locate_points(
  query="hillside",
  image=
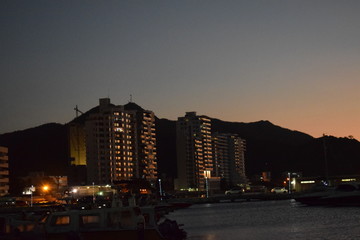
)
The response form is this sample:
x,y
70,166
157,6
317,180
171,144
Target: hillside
x,y
39,149
269,148
272,148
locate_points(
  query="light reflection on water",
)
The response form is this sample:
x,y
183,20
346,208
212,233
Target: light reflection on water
x,y
268,220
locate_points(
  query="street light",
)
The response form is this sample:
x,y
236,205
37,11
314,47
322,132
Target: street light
x,y
32,190
160,190
46,188
207,174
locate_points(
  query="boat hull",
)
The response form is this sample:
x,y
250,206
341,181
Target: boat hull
x,y
148,234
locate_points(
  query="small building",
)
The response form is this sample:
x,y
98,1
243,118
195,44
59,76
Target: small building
x,y
307,183
4,171
44,184
89,190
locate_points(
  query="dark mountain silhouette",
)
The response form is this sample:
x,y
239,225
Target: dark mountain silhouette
x,y
261,131
272,148
166,146
275,149
342,156
269,148
39,149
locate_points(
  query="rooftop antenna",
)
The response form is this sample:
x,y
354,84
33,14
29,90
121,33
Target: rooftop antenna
x,y
77,111
326,159
130,97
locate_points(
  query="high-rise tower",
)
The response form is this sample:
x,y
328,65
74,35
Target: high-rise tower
x,y
110,144
143,122
194,151
229,158
120,143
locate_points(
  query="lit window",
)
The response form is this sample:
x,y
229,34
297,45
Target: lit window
x,y
61,220
307,182
90,221
348,180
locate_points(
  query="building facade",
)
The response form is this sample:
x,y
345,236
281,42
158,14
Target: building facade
x,y
229,158
4,171
143,123
194,152
109,145
77,174
77,149
120,144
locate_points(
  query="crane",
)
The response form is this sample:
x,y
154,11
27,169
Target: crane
x,y
77,111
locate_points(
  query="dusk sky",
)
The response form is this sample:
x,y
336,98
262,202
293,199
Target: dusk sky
x,y
294,63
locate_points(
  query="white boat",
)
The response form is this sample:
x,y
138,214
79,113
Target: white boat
x,y
95,224
345,194
107,223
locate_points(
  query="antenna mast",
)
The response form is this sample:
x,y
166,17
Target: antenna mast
x,y
77,111
326,160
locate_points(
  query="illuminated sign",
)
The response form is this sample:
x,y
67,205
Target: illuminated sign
x,y
348,180
307,182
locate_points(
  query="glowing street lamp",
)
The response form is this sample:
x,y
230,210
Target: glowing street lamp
x,y
160,190
32,190
46,188
207,174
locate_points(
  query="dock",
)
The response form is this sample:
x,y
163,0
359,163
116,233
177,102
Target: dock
x,y
245,197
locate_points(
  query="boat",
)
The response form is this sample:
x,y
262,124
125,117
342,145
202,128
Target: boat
x,y
130,223
345,194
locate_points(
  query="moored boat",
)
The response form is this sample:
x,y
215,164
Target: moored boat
x,y
345,194
130,223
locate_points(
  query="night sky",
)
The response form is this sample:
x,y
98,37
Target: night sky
x,y
294,63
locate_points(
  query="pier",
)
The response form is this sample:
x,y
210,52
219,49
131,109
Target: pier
x,y
246,197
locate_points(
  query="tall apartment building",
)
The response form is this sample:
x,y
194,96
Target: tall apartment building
x,y
229,158
120,144
143,122
194,151
109,145
4,171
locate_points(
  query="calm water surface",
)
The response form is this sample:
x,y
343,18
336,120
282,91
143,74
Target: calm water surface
x,y
268,220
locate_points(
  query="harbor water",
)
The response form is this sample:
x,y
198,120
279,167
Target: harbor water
x,y
285,219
